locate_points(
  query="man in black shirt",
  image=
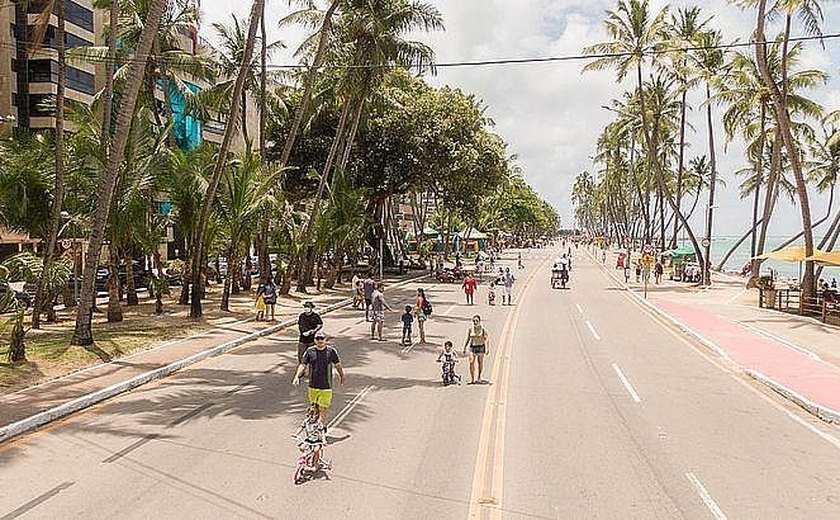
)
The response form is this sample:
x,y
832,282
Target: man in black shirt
x,y
309,323
320,360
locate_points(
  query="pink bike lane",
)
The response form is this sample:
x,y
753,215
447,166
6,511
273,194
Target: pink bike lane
x,y
815,380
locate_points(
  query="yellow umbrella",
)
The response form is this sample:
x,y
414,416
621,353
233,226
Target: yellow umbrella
x,y
831,258
790,254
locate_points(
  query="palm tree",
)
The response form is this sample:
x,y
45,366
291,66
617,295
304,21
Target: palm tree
x,y
747,103
777,97
185,182
370,37
710,65
684,28
221,160
83,334
41,26
634,37
244,192
233,39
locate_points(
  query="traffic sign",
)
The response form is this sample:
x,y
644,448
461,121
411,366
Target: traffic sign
x,y
706,242
648,260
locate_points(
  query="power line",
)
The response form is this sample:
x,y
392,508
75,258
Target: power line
x,y
501,61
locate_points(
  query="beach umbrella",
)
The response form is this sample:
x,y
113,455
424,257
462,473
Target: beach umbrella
x,y
830,258
789,254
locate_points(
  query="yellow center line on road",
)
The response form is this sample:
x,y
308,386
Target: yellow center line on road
x,y
493,425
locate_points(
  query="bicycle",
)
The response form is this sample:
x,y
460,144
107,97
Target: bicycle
x,y
310,462
447,373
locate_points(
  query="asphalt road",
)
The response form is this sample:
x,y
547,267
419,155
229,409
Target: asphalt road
x,y
595,410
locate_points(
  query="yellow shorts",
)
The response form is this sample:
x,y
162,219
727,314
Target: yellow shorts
x,y
322,398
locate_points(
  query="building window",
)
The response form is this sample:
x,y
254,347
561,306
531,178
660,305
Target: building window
x,y
43,71
81,81
73,12
70,40
41,104
46,71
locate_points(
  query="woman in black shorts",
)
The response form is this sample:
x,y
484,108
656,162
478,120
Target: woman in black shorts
x,y
479,345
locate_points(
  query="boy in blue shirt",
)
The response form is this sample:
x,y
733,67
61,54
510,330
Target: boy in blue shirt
x,y
407,320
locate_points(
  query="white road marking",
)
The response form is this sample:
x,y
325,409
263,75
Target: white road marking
x,y
782,341
592,330
834,441
450,309
705,496
579,308
349,407
408,348
627,385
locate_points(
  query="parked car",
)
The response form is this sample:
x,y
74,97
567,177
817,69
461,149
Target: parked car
x,y
21,296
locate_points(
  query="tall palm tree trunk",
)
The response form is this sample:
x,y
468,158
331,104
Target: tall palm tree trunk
x,y
225,305
309,83
707,265
130,286
83,334
680,167
114,313
58,190
110,65
307,257
238,89
770,197
656,167
759,171
795,159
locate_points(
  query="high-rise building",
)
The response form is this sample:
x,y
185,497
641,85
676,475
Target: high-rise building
x,y
29,77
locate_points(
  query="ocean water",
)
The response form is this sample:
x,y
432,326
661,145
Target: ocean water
x,y
722,244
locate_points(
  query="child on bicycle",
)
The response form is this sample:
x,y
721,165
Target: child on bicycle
x,y
448,357
407,320
315,434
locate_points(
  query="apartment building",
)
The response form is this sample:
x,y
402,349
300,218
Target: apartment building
x,y
28,79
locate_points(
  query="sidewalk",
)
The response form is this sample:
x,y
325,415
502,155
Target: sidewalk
x,y
28,402
796,356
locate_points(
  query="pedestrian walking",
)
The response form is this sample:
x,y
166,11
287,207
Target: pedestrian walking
x,y
469,285
478,343
507,282
355,285
259,306
368,286
378,305
319,361
658,270
519,260
268,291
309,324
420,306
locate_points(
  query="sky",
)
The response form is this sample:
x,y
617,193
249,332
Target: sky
x,y
550,114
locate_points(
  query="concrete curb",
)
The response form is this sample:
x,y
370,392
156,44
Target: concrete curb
x,y
80,403
822,412
817,410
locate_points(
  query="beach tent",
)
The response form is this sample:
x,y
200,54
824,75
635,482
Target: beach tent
x,y
680,254
830,258
790,254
